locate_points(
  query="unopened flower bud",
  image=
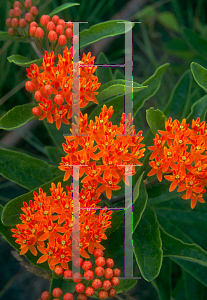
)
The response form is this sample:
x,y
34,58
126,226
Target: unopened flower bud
x,y
39,33
29,17
62,40
22,23
52,36
33,10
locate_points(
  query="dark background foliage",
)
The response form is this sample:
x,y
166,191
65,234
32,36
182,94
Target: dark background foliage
x,y
157,40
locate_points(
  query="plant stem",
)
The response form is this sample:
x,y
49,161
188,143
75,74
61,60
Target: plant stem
x,y
75,295
42,47
46,37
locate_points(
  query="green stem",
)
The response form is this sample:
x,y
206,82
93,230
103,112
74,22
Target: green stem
x,y
38,45
42,47
75,295
46,38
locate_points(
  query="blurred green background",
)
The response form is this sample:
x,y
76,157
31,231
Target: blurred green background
x,y
157,40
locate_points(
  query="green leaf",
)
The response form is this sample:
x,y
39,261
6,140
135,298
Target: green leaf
x,y
117,88
4,36
162,197
25,170
61,8
139,99
104,74
109,89
117,103
163,282
23,61
191,222
193,288
54,154
172,229
17,116
169,20
148,245
200,75
117,218
125,285
6,232
175,247
198,109
57,136
118,74
195,41
178,103
153,84
12,210
139,203
196,270
158,189
101,31
155,119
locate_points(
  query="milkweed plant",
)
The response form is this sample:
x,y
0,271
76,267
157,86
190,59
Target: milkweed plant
x,y
72,222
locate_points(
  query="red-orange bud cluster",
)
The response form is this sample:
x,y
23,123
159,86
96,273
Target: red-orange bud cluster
x,y
55,87
20,17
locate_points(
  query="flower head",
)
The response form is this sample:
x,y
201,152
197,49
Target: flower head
x,y
181,151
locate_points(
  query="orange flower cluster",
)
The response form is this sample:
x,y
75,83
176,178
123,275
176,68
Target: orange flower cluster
x,y
47,224
116,148
54,88
182,152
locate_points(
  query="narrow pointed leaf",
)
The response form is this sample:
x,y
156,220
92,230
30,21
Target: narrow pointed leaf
x,y
140,201
179,99
17,116
148,245
117,89
198,109
25,170
174,247
153,84
197,271
23,61
199,74
100,31
61,8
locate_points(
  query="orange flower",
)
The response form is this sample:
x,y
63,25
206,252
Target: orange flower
x,y
47,223
102,162
185,157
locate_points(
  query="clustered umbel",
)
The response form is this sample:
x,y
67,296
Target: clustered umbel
x,y
47,225
54,88
181,151
19,16
114,156
99,279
